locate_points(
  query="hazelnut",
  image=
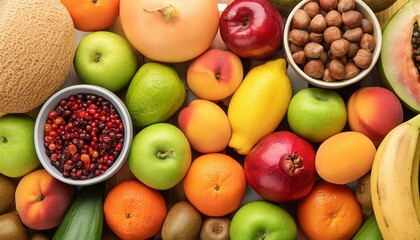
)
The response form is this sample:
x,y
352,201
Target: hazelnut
x,y
339,47
313,50
314,68
316,37
318,24
299,57
366,25
353,34
328,5
324,57
301,19
312,8
367,42
327,77
352,18
336,69
351,70
333,18
298,37
295,48
363,58
346,5
331,34
353,47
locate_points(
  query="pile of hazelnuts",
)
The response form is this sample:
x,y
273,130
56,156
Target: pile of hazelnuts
x,y
331,40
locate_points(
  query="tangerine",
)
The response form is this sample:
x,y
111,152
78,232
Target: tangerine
x,y
92,15
329,211
215,184
134,211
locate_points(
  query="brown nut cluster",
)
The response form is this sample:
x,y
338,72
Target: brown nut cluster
x,y
331,40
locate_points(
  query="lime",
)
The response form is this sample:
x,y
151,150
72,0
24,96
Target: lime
x,y
155,93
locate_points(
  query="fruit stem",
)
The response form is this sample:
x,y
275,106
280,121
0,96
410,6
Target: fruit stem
x,y
3,139
168,11
97,57
162,155
293,164
244,21
40,198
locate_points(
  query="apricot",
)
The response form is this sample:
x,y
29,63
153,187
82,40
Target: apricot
x,y
344,157
205,125
374,111
215,75
42,200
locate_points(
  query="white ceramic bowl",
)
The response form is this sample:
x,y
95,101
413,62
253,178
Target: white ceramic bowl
x,y
368,14
52,102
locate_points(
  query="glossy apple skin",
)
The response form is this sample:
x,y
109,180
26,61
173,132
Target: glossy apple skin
x,y
316,114
255,218
251,28
266,171
105,59
160,156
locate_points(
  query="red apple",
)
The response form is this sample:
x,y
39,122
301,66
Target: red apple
x,y
252,28
281,167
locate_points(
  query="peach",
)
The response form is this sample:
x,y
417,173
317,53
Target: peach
x,y
374,111
42,200
215,75
206,126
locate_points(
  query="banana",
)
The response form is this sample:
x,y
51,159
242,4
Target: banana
x,y
395,182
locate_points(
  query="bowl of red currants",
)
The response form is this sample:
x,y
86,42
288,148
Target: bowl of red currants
x,y
83,134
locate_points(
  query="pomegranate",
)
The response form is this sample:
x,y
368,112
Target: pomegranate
x,y
281,167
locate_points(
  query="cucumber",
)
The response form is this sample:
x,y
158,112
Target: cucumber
x,y
85,217
369,230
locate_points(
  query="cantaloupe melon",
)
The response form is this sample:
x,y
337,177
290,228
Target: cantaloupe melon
x,y
37,46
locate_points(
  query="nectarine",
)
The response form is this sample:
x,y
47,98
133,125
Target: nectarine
x,y
374,111
42,200
215,75
206,126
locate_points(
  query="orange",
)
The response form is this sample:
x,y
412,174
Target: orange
x,y
134,211
329,211
92,15
215,184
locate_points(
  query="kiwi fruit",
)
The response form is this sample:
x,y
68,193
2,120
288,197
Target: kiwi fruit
x,y
363,195
215,228
182,222
7,193
12,228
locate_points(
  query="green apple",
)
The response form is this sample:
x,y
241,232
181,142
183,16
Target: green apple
x,y
160,156
316,114
17,150
261,219
105,59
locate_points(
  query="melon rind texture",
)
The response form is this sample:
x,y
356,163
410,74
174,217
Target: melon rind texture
x,y
37,46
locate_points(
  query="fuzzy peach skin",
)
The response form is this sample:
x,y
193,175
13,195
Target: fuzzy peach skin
x,y
215,75
206,126
374,111
42,200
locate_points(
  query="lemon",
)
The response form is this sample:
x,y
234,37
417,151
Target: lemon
x,y
259,104
154,94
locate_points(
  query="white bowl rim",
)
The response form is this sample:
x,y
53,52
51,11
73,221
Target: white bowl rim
x,y
340,83
73,90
